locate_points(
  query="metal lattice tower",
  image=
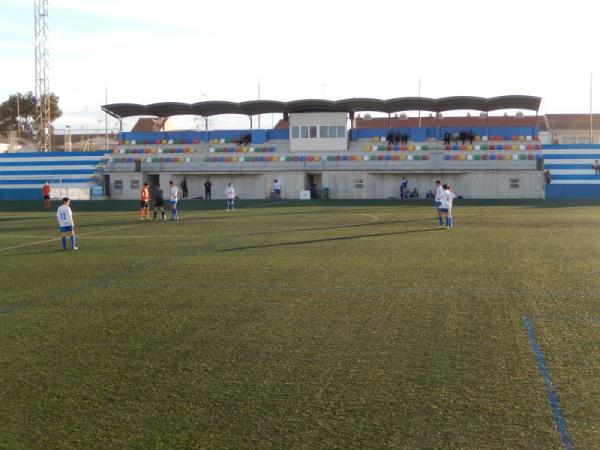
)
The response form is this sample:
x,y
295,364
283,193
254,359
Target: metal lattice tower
x,y
42,83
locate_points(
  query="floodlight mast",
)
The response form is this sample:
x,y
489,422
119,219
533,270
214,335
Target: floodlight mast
x,y
42,83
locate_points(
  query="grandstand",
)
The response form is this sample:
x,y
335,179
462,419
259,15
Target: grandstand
x,y
329,145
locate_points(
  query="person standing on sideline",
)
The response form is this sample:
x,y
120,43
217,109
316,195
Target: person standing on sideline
x,y
65,223
230,195
446,206
437,192
276,190
404,188
159,202
173,200
596,167
46,194
184,190
207,189
144,202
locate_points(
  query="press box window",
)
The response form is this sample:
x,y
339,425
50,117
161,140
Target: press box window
x,y
304,132
323,132
118,186
313,132
295,132
135,184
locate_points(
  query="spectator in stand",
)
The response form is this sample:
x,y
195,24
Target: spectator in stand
x,y
46,195
397,138
463,137
446,138
184,189
414,193
455,137
471,137
207,189
404,139
390,137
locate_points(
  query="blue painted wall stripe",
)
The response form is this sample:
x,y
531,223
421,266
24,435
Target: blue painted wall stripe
x,y
53,154
553,399
41,181
568,166
574,156
48,172
575,177
54,162
568,147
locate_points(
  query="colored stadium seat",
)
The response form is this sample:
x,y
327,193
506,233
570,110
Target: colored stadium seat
x,y
447,157
485,157
425,157
395,157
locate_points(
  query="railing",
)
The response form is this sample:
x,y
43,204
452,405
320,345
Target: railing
x,y
434,164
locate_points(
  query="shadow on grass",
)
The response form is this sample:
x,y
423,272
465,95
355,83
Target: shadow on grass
x,y
316,241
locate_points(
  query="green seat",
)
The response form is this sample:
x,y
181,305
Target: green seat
x,y
477,157
289,158
373,157
425,147
522,156
381,148
417,157
484,147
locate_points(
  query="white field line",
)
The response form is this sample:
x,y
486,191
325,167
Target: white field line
x,y
88,235
58,238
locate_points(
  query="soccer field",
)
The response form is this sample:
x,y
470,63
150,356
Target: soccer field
x,y
301,325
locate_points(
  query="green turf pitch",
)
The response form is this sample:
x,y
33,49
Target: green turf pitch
x,y
299,325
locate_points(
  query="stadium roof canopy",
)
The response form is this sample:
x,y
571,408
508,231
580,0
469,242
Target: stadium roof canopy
x,y
254,107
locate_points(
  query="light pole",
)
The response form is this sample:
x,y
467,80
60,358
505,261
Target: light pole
x,y
68,145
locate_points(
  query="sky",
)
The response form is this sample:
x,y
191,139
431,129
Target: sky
x,y
147,51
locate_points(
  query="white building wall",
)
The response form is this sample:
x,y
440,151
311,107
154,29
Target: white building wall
x,y
318,144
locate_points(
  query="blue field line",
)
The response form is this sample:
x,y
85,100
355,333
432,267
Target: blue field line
x,y
553,399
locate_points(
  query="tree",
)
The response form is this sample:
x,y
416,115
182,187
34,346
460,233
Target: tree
x,y
24,104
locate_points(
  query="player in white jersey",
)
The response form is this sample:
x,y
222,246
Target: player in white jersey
x,y
174,195
230,195
276,190
66,224
446,205
438,200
